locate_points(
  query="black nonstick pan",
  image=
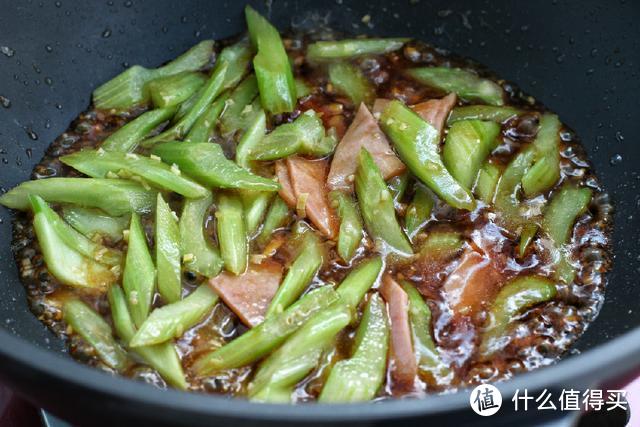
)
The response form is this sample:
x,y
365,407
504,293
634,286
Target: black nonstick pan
x,y
579,57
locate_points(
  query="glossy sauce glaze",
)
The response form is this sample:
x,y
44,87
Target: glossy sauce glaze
x,y
541,334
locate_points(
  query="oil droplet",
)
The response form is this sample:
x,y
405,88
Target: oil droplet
x,y
106,33
616,159
31,134
48,81
128,3
7,51
59,107
48,48
58,4
5,102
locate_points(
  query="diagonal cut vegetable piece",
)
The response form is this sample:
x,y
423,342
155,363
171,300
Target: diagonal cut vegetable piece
x,y
351,48
114,196
466,84
94,330
271,65
65,262
487,182
95,224
127,138
261,340
467,145
376,206
545,171
515,296
100,164
360,377
232,233
206,163
139,277
170,91
162,357
566,205
209,92
349,80
417,144
301,352
289,364
250,139
419,210
427,356
350,233
238,110
203,129
129,88
277,216
199,255
167,242
484,112
305,135
172,320
301,272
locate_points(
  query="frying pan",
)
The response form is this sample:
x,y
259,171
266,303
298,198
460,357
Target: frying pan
x,y
579,57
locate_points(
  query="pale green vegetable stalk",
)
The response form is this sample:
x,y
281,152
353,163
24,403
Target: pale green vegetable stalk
x,y
172,320
168,252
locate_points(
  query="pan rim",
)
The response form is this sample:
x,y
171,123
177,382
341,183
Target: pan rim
x,y
616,356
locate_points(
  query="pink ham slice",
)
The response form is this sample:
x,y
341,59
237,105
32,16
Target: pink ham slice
x,y
250,293
308,178
473,284
363,132
434,111
403,365
286,191
379,105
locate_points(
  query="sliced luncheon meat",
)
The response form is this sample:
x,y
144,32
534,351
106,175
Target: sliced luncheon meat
x,y
379,105
250,293
308,178
403,365
286,191
473,284
363,132
436,111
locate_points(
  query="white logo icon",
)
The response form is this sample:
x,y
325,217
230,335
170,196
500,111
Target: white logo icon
x,y
485,400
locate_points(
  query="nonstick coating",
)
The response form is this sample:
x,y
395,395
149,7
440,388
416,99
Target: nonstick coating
x,y
580,58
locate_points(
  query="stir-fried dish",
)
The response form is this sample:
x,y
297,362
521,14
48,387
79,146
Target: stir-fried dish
x,y
297,218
